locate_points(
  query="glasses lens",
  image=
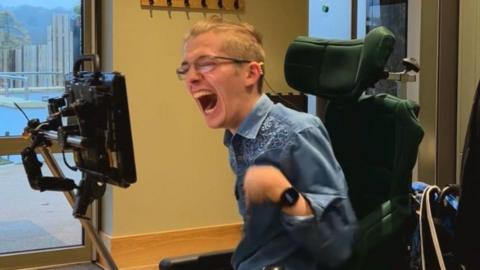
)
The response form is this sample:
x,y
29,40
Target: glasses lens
x,y
205,64
182,71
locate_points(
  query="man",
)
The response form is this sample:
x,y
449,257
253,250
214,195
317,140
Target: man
x,y
290,189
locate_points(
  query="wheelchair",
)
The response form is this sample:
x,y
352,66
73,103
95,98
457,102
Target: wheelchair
x,y
375,139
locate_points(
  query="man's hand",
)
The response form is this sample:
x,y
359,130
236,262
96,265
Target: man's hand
x,y
266,183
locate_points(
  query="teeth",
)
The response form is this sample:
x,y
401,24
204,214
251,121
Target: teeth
x,y
202,93
209,110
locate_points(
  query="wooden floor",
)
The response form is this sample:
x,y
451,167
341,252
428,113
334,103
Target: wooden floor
x,y
83,266
92,266
144,252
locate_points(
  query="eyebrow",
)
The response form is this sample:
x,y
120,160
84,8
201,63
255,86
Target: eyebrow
x,y
201,56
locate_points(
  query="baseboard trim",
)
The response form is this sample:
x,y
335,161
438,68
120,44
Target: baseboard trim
x,y
146,250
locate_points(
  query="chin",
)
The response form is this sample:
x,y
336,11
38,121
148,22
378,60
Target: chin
x,y
215,120
214,124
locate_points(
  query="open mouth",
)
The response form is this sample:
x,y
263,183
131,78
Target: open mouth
x,y
208,102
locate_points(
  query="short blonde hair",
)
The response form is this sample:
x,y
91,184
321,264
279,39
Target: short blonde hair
x,y
242,40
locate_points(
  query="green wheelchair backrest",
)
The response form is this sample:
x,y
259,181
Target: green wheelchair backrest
x,y
375,137
338,69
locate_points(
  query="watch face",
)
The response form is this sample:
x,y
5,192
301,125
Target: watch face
x,y
289,197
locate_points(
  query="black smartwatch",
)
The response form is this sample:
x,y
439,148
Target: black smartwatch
x,y
289,197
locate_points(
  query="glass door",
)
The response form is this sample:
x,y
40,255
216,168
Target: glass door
x,y
39,41
328,19
392,14
402,17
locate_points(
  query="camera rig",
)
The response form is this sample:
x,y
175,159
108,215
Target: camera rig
x,y
91,119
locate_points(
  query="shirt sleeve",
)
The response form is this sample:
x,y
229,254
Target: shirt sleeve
x,y
309,163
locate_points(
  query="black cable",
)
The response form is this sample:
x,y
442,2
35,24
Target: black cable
x,y
24,114
73,168
279,95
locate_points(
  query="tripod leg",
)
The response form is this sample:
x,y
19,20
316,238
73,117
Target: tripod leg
x,y
86,224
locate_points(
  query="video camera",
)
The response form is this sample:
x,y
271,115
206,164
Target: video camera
x,y
92,120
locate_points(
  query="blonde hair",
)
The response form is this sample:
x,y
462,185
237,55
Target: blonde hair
x,y
243,41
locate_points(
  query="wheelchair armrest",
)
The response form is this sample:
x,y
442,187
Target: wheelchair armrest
x,y
217,260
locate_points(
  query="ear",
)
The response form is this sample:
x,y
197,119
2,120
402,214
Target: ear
x,y
253,73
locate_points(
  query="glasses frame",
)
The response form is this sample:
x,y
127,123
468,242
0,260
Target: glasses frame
x,y
204,69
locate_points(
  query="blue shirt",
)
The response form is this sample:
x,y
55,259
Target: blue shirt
x,y
298,145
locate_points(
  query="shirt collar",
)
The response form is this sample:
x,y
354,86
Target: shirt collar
x,y
251,125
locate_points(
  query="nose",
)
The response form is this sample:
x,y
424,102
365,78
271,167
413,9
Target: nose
x,y
192,76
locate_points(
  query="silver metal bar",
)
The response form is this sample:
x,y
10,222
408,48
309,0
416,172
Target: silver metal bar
x,y
86,224
72,140
30,73
401,77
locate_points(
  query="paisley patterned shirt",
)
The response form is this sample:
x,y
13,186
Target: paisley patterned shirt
x,y
298,145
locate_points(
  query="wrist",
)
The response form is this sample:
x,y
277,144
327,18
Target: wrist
x,y
276,188
293,203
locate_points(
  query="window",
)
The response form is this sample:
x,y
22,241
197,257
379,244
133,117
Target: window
x,y
393,15
39,41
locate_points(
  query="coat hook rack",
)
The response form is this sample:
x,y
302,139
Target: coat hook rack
x,y
192,5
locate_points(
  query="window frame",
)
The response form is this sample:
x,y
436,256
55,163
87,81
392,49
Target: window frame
x,y
15,144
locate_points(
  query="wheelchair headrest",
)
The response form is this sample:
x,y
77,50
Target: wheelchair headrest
x,y
338,69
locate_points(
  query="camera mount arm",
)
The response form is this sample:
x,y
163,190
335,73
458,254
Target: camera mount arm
x,y
87,190
90,187
33,166
92,120
35,178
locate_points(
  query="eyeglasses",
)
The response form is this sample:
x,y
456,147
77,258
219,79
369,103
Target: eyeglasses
x,y
205,64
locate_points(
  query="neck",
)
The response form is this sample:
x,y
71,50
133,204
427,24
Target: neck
x,y
249,108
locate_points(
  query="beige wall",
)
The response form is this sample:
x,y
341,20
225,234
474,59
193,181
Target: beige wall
x,y
428,78
438,91
184,180
468,67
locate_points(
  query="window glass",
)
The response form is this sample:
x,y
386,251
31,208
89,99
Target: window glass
x,y
39,41
393,15
33,220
